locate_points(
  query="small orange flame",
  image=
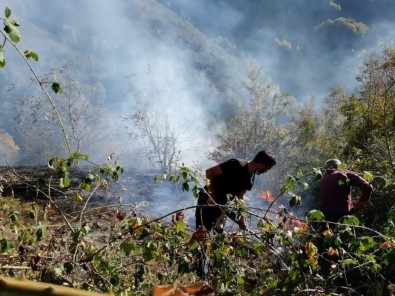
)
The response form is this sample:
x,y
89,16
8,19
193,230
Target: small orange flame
x,y
266,195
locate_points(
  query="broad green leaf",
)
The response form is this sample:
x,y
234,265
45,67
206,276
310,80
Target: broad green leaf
x,y
350,220
185,187
29,54
315,215
350,262
368,176
7,12
12,32
56,88
240,280
180,226
127,247
64,183
388,259
366,243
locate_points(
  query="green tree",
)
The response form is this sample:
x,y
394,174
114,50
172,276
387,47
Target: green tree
x,y
259,124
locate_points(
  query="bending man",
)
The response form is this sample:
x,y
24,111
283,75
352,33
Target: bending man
x,y
228,180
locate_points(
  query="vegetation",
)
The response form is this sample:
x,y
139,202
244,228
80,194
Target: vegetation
x,y
281,254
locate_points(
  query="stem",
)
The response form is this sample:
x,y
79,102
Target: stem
x,y
51,102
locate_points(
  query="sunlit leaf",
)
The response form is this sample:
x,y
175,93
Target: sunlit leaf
x,y
7,12
350,220
387,245
311,249
180,226
332,251
350,262
29,54
368,176
2,60
12,32
77,197
135,225
315,215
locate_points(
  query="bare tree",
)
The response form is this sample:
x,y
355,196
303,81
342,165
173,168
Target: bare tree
x,y
156,130
81,112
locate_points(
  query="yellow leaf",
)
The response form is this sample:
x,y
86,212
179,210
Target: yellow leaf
x,y
332,251
77,197
314,260
387,245
327,233
311,249
135,225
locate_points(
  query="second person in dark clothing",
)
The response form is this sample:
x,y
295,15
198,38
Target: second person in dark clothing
x,y
230,179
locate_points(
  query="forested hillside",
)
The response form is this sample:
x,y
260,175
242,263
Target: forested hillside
x,y
70,125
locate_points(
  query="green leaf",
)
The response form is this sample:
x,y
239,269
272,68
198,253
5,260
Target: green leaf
x,y
14,216
315,215
5,245
240,280
32,214
180,226
64,182
58,271
185,186
388,259
29,54
41,233
366,243
350,220
7,12
12,32
40,183
350,262
127,247
56,88
2,60
289,185
368,176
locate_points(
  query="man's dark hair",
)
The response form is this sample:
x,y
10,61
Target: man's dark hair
x,y
265,157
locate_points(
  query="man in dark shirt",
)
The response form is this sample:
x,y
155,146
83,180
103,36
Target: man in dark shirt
x,y
230,179
335,191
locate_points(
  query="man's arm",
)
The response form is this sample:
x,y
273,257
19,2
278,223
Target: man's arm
x,y
210,175
364,186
